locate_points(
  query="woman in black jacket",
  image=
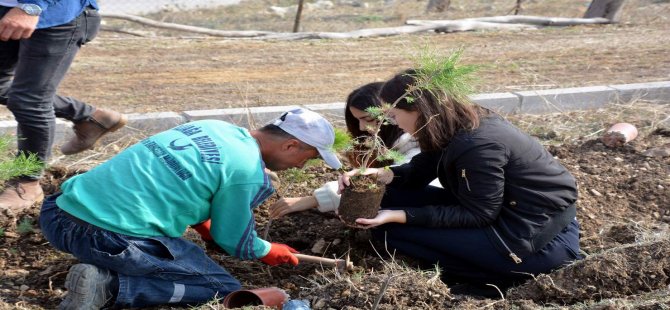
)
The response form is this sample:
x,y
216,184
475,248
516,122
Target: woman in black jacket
x,y
507,209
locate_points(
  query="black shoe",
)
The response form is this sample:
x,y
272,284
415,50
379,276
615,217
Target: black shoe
x,y
88,287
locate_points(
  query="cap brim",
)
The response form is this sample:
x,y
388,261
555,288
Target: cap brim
x,y
330,158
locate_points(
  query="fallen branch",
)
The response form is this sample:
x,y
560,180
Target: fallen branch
x,y
179,27
469,25
517,19
130,32
363,33
413,26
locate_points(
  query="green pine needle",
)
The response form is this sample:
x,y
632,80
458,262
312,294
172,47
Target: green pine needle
x,y
13,166
343,141
392,155
435,73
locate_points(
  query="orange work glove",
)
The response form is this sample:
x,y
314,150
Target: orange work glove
x,y
280,254
203,230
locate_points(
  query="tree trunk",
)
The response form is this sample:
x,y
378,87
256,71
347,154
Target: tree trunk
x,y
439,6
298,16
610,9
517,7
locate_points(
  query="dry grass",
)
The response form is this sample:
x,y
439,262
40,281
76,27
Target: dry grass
x,y
175,73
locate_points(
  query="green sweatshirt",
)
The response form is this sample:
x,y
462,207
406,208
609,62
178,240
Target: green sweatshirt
x,y
180,177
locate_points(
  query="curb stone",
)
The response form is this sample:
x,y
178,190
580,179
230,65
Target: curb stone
x,y
531,102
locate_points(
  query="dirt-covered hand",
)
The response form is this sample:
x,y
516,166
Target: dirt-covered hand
x,y
288,205
280,254
383,217
343,180
384,175
16,25
203,229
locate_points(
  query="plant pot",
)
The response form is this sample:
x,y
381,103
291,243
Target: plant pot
x,y
619,134
361,199
267,296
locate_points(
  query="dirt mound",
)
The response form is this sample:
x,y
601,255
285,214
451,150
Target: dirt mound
x,y
393,287
614,273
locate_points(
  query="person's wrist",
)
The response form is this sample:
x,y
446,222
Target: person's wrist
x,y
385,175
311,202
400,216
30,9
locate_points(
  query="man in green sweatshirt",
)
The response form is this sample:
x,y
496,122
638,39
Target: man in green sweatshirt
x,y
124,219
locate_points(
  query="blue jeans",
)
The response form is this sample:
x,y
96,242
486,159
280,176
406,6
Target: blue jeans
x,y
151,271
31,71
467,254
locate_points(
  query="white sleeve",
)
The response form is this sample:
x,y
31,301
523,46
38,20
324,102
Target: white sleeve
x,y
407,146
327,197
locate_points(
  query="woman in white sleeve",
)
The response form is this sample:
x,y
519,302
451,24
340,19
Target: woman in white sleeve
x,y
358,122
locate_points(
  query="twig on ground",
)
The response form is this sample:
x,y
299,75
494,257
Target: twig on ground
x,y
53,276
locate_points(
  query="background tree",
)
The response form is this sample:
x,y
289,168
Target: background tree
x,y
439,6
610,9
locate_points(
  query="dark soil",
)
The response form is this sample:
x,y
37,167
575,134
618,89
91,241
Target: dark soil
x,y
623,210
361,199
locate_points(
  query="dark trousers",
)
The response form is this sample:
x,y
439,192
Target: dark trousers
x,y
30,72
467,254
151,270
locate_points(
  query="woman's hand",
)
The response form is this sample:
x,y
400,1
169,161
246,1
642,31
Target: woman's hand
x,y
383,217
344,179
384,175
289,205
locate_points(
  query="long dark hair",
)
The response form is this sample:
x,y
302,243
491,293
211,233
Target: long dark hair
x,y
362,98
440,115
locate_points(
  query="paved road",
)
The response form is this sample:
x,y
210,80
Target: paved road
x,y
149,6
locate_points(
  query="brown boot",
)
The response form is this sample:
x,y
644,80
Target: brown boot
x,y
89,131
20,195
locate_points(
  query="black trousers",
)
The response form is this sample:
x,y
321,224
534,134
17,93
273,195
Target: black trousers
x,y
467,254
31,71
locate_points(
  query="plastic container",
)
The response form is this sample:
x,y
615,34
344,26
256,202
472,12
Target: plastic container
x,y
619,134
267,296
296,304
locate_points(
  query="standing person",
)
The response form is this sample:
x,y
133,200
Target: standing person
x,y
359,125
507,209
124,219
38,41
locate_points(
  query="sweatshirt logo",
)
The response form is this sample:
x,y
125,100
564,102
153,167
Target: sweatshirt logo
x,y
179,147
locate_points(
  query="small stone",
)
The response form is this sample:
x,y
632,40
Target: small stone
x,y
23,288
660,186
58,292
320,304
10,234
656,215
595,193
319,246
618,159
337,241
16,273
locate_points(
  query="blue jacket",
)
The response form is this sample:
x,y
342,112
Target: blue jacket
x,y
58,12
501,179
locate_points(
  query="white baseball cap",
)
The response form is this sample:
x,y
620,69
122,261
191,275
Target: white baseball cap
x,y
311,128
